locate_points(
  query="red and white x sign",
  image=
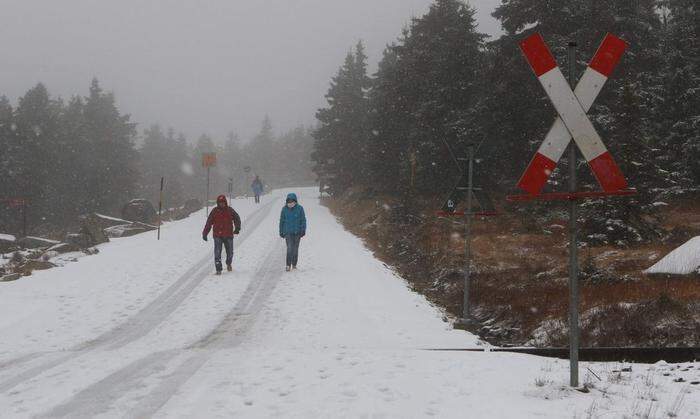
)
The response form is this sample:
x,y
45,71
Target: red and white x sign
x,y
572,107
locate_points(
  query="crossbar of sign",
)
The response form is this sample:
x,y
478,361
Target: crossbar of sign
x,y
572,107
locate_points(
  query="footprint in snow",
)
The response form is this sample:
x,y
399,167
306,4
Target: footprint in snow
x,y
350,393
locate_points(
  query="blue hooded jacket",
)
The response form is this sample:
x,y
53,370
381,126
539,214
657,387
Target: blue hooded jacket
x,y
292,220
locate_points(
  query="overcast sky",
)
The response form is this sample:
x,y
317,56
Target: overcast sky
x,y
199,65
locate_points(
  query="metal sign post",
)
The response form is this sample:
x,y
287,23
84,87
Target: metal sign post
x,y
247,170
160,206
208,161
24,217
573,245
572,123
207,198
230,189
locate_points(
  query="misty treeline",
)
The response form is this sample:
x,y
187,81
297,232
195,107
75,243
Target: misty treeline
x,y
444,83
68,158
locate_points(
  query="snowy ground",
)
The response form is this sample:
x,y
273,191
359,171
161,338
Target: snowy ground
x,y
144,329
682,261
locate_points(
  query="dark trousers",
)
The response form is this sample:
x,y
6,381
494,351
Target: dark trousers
x,y
292,248
257,198
220,242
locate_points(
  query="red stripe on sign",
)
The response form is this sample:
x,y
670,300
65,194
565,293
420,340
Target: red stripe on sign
x,y
538,55
608,55
537,173
608,173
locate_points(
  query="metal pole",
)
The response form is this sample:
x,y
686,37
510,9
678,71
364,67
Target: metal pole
x,y
467,234
207,199
573,244
160,206
24,217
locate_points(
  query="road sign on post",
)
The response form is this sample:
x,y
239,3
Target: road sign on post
x,y
572,123
208,161
160,205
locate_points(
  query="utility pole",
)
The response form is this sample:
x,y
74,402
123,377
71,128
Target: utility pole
x,y
468,213
24,217
207,198
160,206
573,242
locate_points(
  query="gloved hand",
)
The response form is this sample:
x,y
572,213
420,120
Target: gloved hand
x,y
282,235
204,237
303,234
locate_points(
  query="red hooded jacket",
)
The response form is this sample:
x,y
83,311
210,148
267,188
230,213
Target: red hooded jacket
x,y
223,219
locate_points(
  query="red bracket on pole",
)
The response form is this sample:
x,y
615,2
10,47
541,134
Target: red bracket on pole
x,y
461,214
568,196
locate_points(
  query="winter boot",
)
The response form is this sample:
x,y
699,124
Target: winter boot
x,y
289,268
229,268
218,272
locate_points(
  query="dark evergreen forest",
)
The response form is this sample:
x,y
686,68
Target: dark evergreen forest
x,y
442,85
69,158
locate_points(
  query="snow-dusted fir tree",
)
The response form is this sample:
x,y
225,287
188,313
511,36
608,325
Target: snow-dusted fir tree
x,y
8,163
113,170
683,94
342,135
39,153
428,92
261,148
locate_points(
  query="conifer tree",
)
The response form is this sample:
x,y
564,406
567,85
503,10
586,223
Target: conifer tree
x,y
342,136
683,90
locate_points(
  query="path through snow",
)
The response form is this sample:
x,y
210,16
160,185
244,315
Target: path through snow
x,y
144,329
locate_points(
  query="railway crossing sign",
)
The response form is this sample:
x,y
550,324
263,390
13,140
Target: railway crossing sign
x,y
572,107
572,123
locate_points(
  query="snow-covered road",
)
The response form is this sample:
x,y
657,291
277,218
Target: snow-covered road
x,y
144,329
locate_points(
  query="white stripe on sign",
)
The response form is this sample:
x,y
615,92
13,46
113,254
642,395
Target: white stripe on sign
x,y
558,138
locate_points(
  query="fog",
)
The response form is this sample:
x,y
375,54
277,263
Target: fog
x,y
199,66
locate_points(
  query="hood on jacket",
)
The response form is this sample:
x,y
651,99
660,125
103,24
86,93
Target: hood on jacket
x,y
221,199
292,197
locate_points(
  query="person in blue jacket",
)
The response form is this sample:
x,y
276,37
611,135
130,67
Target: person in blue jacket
x,y
258,188
292,228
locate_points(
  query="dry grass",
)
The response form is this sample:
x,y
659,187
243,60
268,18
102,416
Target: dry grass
x,y
520,272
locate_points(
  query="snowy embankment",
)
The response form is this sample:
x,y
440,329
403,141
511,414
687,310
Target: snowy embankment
x,y
682,261
145,330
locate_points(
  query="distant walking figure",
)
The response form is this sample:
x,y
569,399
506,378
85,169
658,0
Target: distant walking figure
x,y
257,187
222,219
292,228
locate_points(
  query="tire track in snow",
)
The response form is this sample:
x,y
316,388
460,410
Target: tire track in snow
x,y
230,332
142,322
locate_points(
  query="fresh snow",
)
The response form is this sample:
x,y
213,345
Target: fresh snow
x,y
44,240
682,261
143,329
118,220
7,237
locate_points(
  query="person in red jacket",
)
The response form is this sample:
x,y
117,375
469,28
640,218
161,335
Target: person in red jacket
x,y
222,219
